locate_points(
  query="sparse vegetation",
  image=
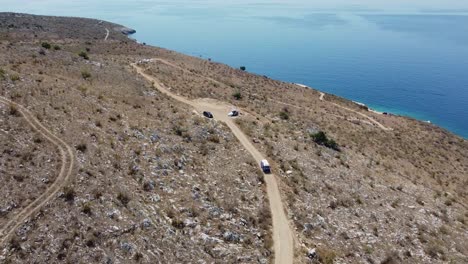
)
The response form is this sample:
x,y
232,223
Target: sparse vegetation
x,y
237,95
85,74
326,256
435,250
87,209
284,115
15,243
322,139
14,77
46,45
13,110
69,193
177,223
154,150
82,147
123,198
84,55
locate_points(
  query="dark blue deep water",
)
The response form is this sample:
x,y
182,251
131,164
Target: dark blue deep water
x,y
412,63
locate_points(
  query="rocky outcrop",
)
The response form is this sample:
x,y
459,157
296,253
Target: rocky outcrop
x,y
125,30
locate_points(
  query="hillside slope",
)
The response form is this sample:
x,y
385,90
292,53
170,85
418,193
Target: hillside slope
x,y
154,181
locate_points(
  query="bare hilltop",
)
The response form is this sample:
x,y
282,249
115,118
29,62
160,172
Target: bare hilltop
x,y
106,157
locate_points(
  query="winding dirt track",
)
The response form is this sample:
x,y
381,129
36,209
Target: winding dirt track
x,y
322,95
282,235
107,34
66,169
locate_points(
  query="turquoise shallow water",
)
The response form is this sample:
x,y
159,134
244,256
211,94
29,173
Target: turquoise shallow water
x,y
412,62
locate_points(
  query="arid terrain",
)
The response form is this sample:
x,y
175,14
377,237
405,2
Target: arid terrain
x,y
99,165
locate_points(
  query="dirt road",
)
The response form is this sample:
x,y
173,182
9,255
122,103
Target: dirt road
x,y
322,95
107,34
282,234
67,158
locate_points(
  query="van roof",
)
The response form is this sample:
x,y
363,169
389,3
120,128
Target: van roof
x,y
265,162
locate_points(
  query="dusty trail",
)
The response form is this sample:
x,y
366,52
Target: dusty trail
x,y
322,95
107,34
282,235
66,169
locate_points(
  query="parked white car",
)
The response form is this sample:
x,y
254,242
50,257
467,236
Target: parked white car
x,y
233,113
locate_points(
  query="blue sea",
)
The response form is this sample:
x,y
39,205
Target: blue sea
x,y
408,58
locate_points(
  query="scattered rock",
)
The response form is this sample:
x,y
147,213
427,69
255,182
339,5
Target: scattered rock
x,y
190,223
126,246
231,237
126,31
146,223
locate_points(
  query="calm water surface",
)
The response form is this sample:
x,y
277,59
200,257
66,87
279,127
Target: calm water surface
x,y
413,62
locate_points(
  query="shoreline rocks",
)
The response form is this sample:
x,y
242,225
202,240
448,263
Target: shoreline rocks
x,y
126,31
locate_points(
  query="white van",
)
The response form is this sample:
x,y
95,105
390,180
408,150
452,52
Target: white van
x,y
265,166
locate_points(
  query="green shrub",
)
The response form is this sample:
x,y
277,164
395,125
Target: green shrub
x,y
82,147
326,256
15,243
69,193
46,45
2,74
177,223
214,139
322,139
242,68
57,47
86,209
14,110
284,115
15,77
237,95
319,138
435,250
84,55
123,198
85,74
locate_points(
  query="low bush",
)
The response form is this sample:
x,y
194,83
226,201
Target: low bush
x,y
326,256
123,198
81,147
15,77
322,139
69,193
15,243
177,223
13,110
86,209
237,95
435,250
242,68
84,55
46,45
214,139
284,115
85,74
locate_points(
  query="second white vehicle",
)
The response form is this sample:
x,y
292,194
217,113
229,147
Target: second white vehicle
x,y
233,113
